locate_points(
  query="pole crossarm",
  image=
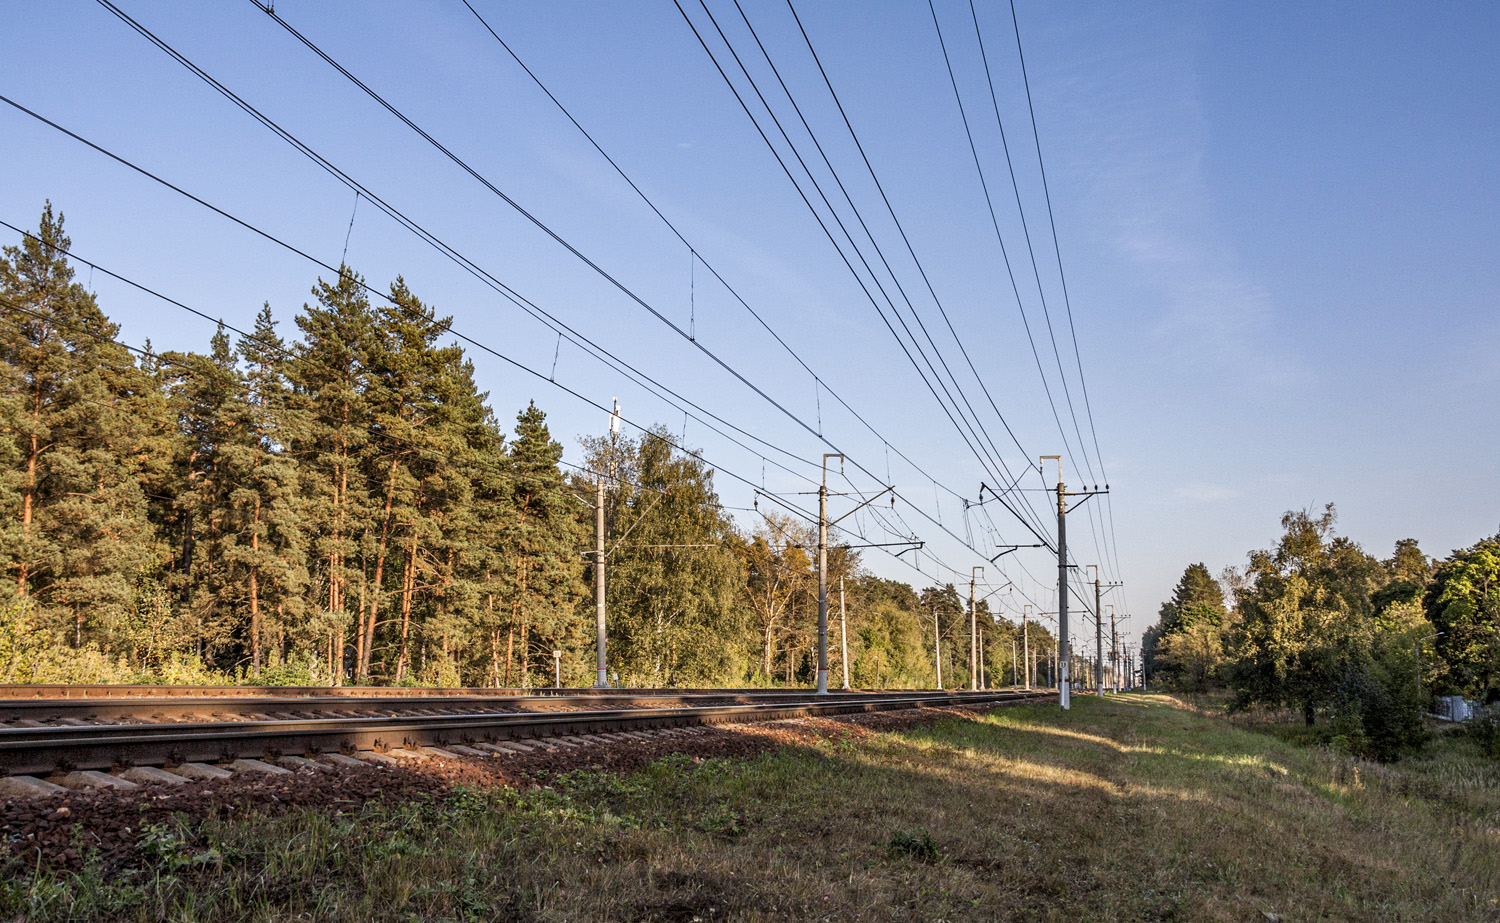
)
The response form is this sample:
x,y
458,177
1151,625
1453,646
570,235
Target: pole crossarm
x,y
1085,494
996,590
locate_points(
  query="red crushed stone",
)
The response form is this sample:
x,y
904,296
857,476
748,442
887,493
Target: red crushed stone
x,y
63,832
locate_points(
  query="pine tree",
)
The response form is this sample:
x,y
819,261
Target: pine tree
x,y
78,426
424,411
265,544
200,391
491,517
330,375
544,539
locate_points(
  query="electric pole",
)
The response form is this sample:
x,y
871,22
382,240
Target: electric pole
x,y
823,525
973,631
1026,642
843,631
1062,581
603,680
1114,652
1098,636
937,646
1099,589
981,660
823,580
1064,680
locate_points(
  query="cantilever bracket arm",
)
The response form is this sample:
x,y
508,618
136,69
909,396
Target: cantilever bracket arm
x,y
910,545
862,506
1009,549
637,521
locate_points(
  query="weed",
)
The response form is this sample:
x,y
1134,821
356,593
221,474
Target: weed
x,y
168,850
917,843
1484,730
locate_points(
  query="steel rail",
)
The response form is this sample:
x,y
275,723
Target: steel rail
x,y
148,707
18,691
48,749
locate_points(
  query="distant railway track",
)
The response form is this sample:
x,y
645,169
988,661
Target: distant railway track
x,y
58,730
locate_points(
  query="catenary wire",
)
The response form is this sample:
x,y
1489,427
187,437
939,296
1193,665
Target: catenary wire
x,y
891,210
979,451
698,253
308,43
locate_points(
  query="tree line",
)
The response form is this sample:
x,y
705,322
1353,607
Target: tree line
x,y
336,502
1318,625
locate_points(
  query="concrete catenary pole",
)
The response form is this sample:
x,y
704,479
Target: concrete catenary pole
x,y
603,679
843,631
973,631
1114,651
1026,642
937,646
1063,691
823,582
1098,635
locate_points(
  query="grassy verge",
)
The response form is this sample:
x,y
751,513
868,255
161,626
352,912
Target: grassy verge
x,y
1131,809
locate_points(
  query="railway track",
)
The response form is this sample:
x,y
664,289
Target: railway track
x,y
111,735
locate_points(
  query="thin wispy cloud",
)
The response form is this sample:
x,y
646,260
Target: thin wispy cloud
x,y
1142,162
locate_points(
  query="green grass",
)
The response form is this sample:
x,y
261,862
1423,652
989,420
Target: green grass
x,y
1131,809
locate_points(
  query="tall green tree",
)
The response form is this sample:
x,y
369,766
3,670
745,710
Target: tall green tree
x,y
1184,646
673,578
265,535
545,538
778,574
1308,634
201,389
331,381
413,401
77,427
1463,603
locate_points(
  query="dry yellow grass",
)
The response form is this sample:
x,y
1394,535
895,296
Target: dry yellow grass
x,y
1130,809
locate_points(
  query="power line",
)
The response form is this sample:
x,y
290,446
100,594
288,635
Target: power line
x,y
994,221
467,168
604,274
1031,108
1062,276
693,249
864,227
478,345
837,246
779,500
891,210
618,364
481,346
340,272
979,450
1104,548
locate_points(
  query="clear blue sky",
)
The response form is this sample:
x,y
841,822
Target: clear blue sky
x,y
1277,221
